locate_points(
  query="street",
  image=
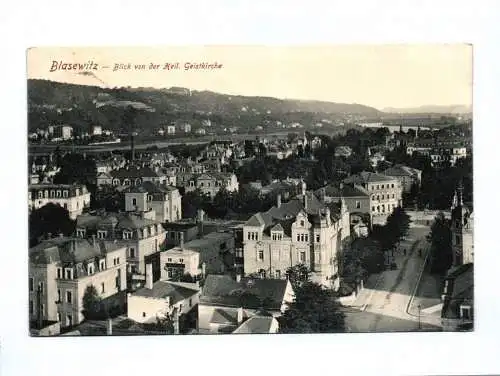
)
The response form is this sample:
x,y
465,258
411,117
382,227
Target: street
x,y
386,304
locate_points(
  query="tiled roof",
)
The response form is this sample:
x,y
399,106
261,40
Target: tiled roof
x,y
150,187
461,289
133,172
224,316
163,289
256,325
367,177
117,220
65,249
347,191
401,170
219,289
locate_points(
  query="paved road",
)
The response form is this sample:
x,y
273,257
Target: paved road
x,y
382,305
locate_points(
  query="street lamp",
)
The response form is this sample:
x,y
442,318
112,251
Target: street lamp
x,y
419,324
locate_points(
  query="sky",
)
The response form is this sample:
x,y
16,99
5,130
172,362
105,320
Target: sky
x,y
399,76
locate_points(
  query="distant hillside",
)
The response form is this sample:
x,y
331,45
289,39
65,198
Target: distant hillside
x,y
454,109
50,101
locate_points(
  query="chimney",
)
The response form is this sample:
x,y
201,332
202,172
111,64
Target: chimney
x,y
93,240
238,278
109,327
279,201
149,276
176,323
204,269
181,240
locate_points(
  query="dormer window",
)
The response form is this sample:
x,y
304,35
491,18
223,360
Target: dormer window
x,y
58,194
52,194
40,194
116,182
126,182
102,265
150,197
101,234
68,273
80,232
302,223
127,235
90,269
65,194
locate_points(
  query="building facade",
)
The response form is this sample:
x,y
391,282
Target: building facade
x,y
74,198
165,201
301,231
61,269
142,236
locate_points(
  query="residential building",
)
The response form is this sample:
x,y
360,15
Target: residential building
x,y
164,200
226,303
211,183
171,129
215,254
160,299
74,198
356,198
301,231
457,313
63,132
189,231
131,176
60,270
385,193
407,176
143,236
185,127
96,130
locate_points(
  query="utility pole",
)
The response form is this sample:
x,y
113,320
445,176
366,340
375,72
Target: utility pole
x,y
419,323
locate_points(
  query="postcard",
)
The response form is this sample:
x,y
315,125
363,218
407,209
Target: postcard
x,y
250,190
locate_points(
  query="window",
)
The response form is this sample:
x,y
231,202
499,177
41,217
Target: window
x,y
465,312
150,198
181,260
90,269
117,261
117,281
302,223
69,273
65,206
102,265
457,239
58,318
392,185
31,307
58,194
59,273
40,194
378,198
101,234
190,302
278,274
373,208
317,238
302,256
298,237
41,287
378,186
127,235
393,195
358,205
31,284
102,288
132,252
180,308
52,194
134,202
69,320
382,186
65,194
69,296
144,314
260,254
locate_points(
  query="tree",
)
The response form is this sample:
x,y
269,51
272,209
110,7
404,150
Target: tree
x,y
314,310
298,274
92,309
398,224
49,219
441,249
108,198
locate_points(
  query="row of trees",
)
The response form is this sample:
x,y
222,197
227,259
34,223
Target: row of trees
x,y
395,229
441,252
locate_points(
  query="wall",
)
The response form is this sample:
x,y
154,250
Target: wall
x,y
143,309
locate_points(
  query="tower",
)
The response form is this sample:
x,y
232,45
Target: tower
x,y
462,226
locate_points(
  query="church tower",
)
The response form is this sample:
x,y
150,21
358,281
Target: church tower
x,y
462,226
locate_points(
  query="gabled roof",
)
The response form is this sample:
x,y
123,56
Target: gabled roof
x,y
256,325
367,177
221,289
150,187
72,250
346,191
401,170
164,289
123,221
134,172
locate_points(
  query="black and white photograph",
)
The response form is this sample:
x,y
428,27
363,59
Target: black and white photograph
x,y
250,190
